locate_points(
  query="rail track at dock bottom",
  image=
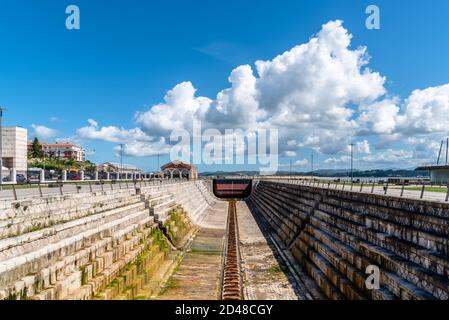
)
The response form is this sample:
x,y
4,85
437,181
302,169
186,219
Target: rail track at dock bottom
x,y
232,287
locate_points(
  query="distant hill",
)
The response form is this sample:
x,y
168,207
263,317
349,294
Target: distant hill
x,y
405,173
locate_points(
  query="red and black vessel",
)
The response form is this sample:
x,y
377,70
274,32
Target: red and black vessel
x,y
232,188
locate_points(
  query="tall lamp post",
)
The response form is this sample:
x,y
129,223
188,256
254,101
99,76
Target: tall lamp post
x,y
158,169
352,162
1,147
121,160
312,156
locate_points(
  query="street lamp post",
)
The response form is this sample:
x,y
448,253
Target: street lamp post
x,y
312,156
121,160
352,162
1,147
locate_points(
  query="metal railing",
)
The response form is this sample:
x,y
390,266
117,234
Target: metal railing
x,y
424,191
51,188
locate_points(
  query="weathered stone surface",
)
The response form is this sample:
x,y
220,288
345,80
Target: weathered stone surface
x,y
335,235
73,246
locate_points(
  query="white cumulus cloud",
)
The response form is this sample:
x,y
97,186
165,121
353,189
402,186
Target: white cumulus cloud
x,y
43,132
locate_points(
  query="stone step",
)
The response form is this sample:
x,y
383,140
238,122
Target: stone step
x,y
386,259
297,213
33,241
433,231
354,265
63,277
30,263
274,220
37,217
336,270
408,250
286,227
348,231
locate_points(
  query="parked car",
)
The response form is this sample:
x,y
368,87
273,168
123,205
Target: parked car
x,y
33,178
20,178
74,176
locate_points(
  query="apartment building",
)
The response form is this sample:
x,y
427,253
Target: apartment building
x,y
14,148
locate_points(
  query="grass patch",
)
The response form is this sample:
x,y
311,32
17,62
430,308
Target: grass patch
x,y
428,189
159,240
274,270
176,226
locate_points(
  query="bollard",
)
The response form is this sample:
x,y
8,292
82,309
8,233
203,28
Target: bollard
x,y
361,187
77,188
447,194
40,189
402,189
352,185
386,188
13,176
42,176
372,189
90,187
329,185
112,188
422,191
14,192
60,189
344,184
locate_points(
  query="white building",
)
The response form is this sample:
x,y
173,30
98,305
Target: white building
x,y
14,148
439,174
60,150
118,168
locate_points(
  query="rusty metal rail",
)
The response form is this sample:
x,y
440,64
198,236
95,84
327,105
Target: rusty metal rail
x,y
232,280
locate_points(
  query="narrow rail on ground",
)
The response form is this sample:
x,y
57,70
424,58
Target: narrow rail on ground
x,y
232,280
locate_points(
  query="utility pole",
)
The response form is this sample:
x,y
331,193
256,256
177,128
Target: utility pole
x,y
352,162
291,172
121,159
447,150
1,147
312,156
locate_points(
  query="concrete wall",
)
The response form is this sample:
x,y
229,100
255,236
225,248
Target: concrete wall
x,y
335,235
73,246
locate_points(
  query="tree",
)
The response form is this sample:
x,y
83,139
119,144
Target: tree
x,y
36,149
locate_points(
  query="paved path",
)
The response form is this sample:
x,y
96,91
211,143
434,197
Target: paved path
x,y
264,277
32,191
393,190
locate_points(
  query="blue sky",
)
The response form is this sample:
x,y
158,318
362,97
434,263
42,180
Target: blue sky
x,y
128,54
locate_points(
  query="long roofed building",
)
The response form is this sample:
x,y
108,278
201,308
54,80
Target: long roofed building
x,y
179,169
